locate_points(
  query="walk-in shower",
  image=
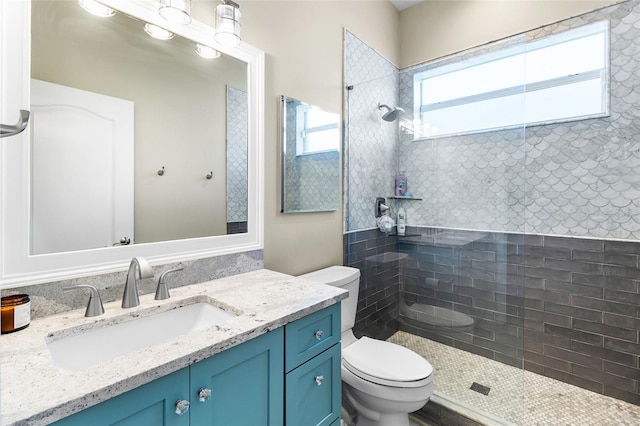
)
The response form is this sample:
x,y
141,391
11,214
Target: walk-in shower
x,y
523,227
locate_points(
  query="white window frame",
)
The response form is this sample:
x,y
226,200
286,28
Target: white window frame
x,y
421,106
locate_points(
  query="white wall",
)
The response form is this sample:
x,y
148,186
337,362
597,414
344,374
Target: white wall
x,y
436,28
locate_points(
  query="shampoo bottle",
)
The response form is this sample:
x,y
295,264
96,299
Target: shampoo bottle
x,y
402,221
400,185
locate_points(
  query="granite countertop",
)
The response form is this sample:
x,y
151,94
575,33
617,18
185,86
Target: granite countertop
x,y
35,392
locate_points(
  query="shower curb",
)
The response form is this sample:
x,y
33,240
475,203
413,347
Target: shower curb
x,y
442,411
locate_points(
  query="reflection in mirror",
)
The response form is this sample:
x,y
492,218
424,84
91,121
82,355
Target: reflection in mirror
x,y
112,106
310,158
237,134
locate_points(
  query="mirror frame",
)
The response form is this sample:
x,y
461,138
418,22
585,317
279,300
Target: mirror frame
x,y
18,267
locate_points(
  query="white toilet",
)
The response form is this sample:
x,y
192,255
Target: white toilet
x,y
382,381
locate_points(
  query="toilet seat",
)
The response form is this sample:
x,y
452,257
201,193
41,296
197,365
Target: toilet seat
x,y
386,364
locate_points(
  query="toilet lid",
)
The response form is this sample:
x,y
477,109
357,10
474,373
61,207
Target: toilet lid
x,y
386,363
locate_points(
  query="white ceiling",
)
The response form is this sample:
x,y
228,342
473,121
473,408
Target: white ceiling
x,y
403,4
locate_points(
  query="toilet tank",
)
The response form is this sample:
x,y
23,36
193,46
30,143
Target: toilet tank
x,y
347,278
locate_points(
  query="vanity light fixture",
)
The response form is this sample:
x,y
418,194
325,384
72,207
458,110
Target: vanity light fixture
x,y
96,8
206,51
228,23
176,11
157,32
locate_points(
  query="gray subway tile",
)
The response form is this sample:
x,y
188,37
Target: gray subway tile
x,y
621,346
560,253
556,275
623,247
606,281
572,357
625,384
574,243
605,330
604,306
583,290
573,266
547,361
574,335
621,370
599,351
572,311
621,272
622,321
606,258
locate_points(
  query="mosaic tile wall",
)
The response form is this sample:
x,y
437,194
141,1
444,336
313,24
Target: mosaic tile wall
x,y
312,182
579,178
370,150
237,137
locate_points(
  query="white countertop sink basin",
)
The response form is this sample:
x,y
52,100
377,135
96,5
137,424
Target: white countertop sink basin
x,y
78,350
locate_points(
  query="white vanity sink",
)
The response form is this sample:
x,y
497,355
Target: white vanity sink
x,y
77,351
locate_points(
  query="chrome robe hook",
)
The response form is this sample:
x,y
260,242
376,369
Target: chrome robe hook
x,y
23,121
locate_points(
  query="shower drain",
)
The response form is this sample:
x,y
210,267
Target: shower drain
x,y
480,388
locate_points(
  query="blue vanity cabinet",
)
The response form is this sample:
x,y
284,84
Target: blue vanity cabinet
x,y
246,384
290,376
151,404
313,383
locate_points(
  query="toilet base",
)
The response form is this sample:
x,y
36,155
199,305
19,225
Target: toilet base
x,y
384,420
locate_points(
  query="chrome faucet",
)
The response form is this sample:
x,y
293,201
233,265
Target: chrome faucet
x,y
162,291
130,296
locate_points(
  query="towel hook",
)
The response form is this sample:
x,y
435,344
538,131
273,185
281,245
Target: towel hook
x,y
161,171
209,175
23,121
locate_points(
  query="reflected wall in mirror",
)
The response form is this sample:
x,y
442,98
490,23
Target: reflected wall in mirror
x,y
310,159
177,105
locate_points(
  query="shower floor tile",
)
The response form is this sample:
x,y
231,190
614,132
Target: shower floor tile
x,y
516,396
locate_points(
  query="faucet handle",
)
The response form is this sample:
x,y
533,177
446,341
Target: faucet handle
x,y
162,292
94,307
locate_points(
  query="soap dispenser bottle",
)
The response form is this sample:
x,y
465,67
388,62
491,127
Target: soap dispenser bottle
x,y
402,221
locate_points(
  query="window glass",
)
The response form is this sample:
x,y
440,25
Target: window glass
x,y
557,78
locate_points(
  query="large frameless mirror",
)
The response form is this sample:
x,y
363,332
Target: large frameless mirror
x,y
310,158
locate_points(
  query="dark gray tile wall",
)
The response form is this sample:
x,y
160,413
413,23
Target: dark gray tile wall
x,y
563,307
237,227
369,251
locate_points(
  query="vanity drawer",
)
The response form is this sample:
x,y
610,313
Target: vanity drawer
x,y
313,391
311,335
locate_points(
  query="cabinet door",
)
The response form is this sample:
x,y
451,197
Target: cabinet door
x,y
246,383
313,391
151,404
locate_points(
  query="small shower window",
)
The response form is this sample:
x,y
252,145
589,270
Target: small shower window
x,y
318,130
561,77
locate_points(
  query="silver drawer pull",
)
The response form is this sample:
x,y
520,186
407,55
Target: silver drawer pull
x,y
318,379
204,394
182,406
319,334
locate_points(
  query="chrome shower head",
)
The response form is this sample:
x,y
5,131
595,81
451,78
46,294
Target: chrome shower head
x,y
392,114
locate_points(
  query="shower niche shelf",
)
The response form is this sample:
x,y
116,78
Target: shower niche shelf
x,y
394,197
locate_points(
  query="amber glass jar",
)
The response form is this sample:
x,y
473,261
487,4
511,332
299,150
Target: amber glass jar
x,y
16,313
